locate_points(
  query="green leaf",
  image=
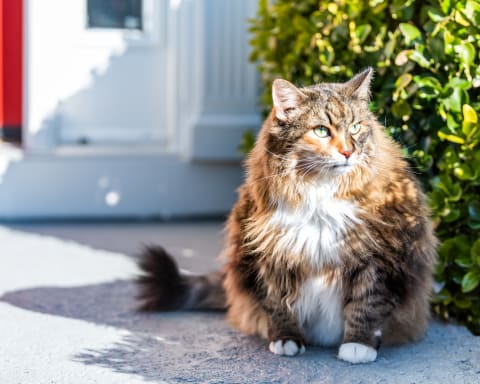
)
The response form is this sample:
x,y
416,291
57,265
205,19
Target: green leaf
x,y
452,215
436,48
435,15
470,281
458,17
451,138
466,53
378,5
443,296
472,11
443,183
247,143
462,246
455,192
446,249
463,303
463,172
456,99
464,261
427,81
410,32
363,31
451,157
474,210
452,191
452,123
436,200
475,251
402,110
470,120
418,58
457,82
457,278
403,80
469,114
473,224
446,6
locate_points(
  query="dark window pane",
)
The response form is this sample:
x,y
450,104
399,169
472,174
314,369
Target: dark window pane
x,y
120,14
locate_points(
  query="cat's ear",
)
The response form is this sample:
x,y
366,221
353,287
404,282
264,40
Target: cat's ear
x,y
286,98
359,85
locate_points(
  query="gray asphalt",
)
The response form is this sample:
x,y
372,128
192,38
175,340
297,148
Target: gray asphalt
x,y
187,347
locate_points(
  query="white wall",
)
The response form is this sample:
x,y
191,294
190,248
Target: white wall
x,y
163,113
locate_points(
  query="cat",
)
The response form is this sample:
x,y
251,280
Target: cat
x,y
330,241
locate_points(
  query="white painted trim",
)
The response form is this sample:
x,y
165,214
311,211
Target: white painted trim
x,y
171,83
217,137
107,150
224,104
122,185
188,48
111,135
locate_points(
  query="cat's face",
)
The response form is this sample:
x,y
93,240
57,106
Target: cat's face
x,y
324,129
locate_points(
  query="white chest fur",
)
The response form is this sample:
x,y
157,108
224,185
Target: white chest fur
x,y
319,310
315,229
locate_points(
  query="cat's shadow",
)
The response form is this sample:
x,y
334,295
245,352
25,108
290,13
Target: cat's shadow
x,y
175,346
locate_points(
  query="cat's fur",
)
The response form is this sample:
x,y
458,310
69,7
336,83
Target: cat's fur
x,y
330,241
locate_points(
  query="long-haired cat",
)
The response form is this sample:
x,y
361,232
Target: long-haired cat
x,y
330,241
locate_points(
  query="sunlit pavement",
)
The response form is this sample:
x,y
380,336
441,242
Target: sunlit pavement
x,y
67,315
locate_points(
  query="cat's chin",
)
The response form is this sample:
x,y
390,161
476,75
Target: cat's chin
x,y
342,169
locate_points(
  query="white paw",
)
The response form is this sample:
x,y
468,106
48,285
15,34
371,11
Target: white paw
x,y
357,353
286,348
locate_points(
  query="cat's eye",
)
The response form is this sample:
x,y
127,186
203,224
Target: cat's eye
x,y
355,128
321,131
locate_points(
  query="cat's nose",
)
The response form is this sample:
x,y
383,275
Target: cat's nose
x,y
346,152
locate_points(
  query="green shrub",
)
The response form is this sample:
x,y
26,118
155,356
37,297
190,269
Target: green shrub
x,y
426,90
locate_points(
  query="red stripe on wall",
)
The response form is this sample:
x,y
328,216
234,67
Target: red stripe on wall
x,y
11,28
2,85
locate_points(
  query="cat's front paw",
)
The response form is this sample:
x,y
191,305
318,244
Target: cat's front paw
x,y
356,353
286,347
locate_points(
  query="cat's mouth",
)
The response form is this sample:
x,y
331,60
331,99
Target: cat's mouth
x,y
343,167
323,167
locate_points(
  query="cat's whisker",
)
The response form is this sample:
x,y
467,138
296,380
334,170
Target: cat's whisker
x,y
307,168
279,156
281,174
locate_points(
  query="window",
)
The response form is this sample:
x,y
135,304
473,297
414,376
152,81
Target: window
x,y
115,14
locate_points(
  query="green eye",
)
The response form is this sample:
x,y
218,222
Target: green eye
x,y
321,131
355,128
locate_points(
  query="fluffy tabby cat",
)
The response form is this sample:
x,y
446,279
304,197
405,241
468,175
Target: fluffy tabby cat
x,y
330,241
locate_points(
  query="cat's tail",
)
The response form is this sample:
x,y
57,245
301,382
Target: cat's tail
x,y
162,287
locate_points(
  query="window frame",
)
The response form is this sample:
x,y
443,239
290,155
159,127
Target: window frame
x,y
147,36
95,12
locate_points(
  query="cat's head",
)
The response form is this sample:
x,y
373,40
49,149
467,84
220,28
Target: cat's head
x,y
325,129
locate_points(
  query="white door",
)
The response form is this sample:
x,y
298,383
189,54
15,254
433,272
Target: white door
x,y
133,108
97,72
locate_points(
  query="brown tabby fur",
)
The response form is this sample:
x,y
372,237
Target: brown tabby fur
x,y
385,258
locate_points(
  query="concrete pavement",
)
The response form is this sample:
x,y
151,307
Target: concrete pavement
x,y
67,316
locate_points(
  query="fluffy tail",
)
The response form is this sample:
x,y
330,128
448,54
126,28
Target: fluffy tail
x,y
163,288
